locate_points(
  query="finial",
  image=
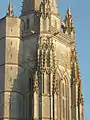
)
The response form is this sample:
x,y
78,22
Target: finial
x,y
69,10
10,10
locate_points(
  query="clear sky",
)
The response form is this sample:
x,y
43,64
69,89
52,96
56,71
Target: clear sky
x,y
81,13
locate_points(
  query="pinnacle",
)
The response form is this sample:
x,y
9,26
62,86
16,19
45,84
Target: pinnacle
x,y
10,10
69,23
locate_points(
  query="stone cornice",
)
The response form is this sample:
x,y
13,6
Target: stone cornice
x,y
5,37
61,37
12,64
10,91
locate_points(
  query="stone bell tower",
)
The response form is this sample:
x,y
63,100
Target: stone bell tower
x,y
41,21
39,71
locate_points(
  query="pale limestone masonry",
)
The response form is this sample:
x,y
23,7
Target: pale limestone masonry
x,y
39,71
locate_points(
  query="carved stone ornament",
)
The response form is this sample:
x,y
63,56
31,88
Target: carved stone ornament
x,y
45,9
36,86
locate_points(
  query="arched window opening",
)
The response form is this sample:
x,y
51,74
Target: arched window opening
x,y
64,96
44,58
48,84
30,85
28,24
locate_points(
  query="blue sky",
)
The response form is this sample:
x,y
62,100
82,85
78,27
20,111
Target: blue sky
x,y
80,10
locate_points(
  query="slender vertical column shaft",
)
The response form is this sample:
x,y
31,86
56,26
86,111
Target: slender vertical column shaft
x,y
55,107
36,106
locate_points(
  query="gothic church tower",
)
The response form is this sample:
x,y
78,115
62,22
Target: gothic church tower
x,y
39,71
11,48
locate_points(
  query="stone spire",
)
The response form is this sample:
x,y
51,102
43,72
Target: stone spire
x,y
29,6
10,10
68,23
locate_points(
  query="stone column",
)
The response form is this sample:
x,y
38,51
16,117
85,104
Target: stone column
x,y
81,112
36,106
55,106
76,101
36,98
55,100
51,97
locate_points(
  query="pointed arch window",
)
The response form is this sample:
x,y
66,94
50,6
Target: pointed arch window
x,y
64,96
44,57
63,108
